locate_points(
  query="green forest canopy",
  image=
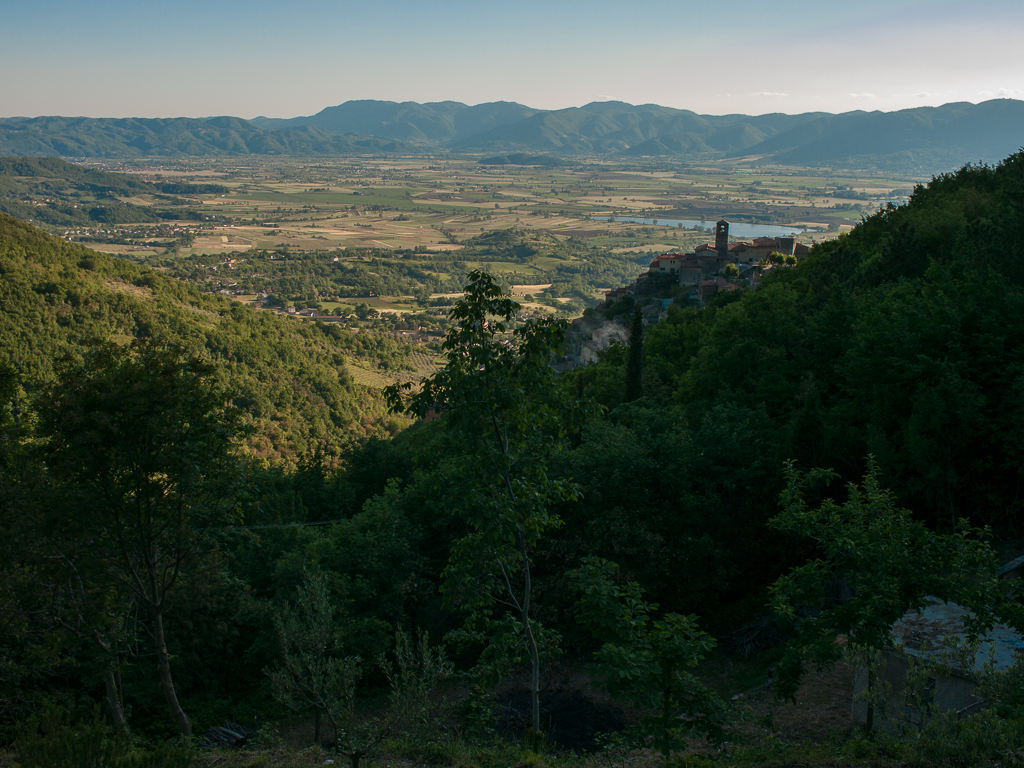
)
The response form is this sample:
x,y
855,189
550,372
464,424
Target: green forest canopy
x,y
900,339
290,377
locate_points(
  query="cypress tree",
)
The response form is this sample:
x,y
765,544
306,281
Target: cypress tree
x,y
635,361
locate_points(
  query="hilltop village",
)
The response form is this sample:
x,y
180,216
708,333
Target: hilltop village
x,y
687,278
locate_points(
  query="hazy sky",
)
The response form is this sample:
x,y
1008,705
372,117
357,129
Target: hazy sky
x,y
114,58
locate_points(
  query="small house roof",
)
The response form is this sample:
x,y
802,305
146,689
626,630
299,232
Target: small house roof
x,y
923,633
1010,567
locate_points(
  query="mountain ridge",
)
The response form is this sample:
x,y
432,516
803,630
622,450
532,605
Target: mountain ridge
x,y
178,136
921,139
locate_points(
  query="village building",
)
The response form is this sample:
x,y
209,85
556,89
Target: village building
x,y
749,253
926,635
708,288
703,267
687,268
700,271
618,293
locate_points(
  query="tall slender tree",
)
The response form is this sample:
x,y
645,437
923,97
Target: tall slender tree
x,y
500,401
635,361
140,440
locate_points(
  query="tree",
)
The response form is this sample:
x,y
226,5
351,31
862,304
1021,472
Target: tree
x,y
500,402
365,312
23,659
140,442
635,361
313,673
90,612
647,661
884,561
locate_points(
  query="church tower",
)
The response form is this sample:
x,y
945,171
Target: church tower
x,y
722,238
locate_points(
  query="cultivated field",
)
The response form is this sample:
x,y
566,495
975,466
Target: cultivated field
x,y
385,243
410,203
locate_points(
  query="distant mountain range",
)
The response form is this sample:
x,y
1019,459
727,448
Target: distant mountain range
x,y
178,136
442,122
925,139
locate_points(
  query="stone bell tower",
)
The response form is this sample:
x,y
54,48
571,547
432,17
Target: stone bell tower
x,y
722,238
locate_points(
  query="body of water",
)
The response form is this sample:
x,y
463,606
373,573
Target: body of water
x,y
736,229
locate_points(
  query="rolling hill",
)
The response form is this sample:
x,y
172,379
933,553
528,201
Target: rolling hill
x,y
444,121
948,136
169,137
52,191
57,299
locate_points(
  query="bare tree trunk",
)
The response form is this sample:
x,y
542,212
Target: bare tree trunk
x,y
534,674
114,702
166,683
531,641
869,720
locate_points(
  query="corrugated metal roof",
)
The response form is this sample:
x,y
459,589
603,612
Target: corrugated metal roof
x,y
924,634
1013,565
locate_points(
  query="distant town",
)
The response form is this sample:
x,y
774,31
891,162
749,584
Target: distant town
x,y
693,278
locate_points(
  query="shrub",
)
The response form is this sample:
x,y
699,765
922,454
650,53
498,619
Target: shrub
x,y
949,740
49,739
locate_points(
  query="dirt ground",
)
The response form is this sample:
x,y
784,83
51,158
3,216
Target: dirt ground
x,y
575,714
823,708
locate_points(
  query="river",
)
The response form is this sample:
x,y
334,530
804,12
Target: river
x,y
736,229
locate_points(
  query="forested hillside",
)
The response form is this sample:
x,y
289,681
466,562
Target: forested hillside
x,y
409,121
170,137
58,298
541,523
52,191
900,339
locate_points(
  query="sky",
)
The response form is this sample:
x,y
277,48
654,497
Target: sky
x,y
197,58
